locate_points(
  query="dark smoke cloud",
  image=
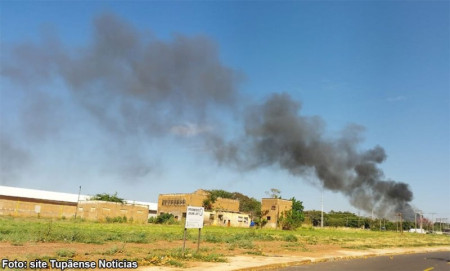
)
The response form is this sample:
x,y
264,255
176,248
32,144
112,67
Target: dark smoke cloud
x,y
134,85
275,134
130,81
13,159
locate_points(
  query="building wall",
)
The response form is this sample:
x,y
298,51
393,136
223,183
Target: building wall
x,y
231,205
23,207
101,210
176,204
226,219
91,210
273,210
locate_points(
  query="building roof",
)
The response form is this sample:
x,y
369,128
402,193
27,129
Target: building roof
x,y
57,196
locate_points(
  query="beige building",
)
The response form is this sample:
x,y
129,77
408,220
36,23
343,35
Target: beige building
x,y
177,204
103,210
226,219
22,202
273,209
20,207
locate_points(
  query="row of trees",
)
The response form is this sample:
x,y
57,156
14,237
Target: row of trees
x,y
351,220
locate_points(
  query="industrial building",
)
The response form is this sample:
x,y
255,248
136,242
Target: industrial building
x,y
273,209
226,219
176,204
22,202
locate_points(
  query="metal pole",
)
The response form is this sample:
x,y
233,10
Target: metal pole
x,y
321,214
401,222
432,219
198,241
415,221
184,240
396,222
78,200
421,219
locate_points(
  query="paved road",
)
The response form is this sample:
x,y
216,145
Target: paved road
x,y
435,261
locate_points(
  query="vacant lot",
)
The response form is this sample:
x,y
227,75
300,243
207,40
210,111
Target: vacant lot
x,y
29,239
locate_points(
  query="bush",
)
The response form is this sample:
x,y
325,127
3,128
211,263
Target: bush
x,y
165,219
117,219
293,219
108,197
290,238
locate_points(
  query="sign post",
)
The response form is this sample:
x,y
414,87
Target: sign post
x,y
194,220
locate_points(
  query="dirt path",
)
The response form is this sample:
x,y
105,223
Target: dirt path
x,y
255,263
260,256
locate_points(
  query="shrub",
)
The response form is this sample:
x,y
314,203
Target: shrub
x,y
66,253
117,219
165,219
108,197
290,238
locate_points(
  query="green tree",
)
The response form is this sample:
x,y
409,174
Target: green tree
x,y
293,219
246,204
108,197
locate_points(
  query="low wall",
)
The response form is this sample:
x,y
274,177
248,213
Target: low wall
x,y
102,210
21,207
90,210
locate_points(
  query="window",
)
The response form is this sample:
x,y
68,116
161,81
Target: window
x,y
211,217
268,218
274,207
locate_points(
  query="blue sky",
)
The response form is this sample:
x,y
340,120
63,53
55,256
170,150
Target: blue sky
x,y
380,64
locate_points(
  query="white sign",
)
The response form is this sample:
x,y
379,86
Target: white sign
x,y
194,217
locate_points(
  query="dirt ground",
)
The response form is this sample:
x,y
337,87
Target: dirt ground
x,y
31,251
270,252
90,251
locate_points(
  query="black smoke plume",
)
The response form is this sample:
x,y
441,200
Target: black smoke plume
x,y
136,86
132,84
275,134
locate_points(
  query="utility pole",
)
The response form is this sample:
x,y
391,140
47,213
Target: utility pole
x,y
432,223
371,223
421,220
400,221
321,214
415,221
358,219
396,222
78,200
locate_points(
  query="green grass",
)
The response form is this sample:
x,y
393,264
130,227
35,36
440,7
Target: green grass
x,y
65,253
19,231
176,257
